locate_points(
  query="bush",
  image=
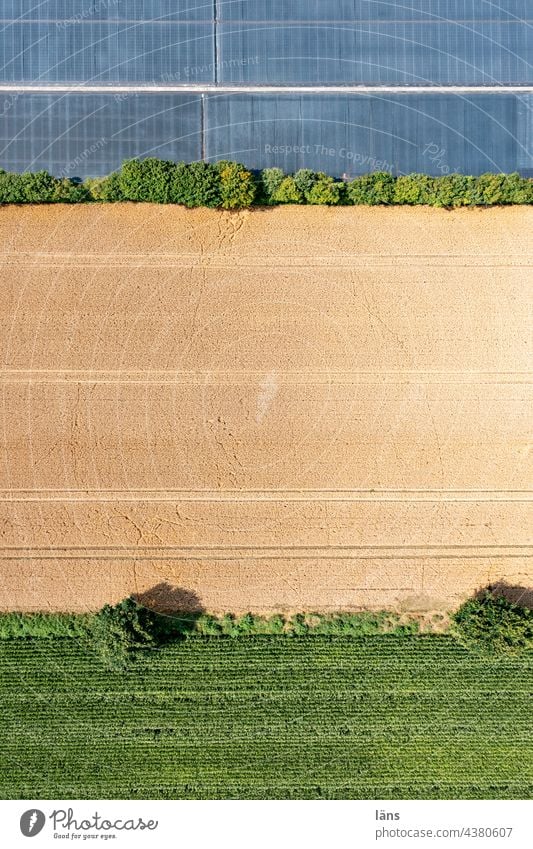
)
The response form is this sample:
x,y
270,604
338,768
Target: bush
x,y
147,180
117,630
105,189
305,179
517,189
325,191
453,190
42,625
231,186
494,189
269,183
492,624
237,185
288,192
196,184
38,187
11,188
414,189
371,189
68,191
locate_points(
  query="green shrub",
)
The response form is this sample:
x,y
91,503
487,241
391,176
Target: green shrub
x,y
147,180
42,625
38,187
196,184
232,186
117,630
413,189
208,625
288,192
492,624
68,191
298,626
269,183
237,185
11,188
517,189
105,189
305,179
371,189
495,189
325,191
453,190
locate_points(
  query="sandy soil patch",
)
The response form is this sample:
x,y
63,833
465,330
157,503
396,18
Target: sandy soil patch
x,y
273,410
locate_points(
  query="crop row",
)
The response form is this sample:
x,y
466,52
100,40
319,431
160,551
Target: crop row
x,y
277,717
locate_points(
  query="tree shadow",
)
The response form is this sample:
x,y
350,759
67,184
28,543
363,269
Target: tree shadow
x,y
172,612
164,598
514,593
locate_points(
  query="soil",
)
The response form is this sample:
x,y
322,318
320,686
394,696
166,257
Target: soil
x,y
289,409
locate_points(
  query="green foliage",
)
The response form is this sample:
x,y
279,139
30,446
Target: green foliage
x,y
196,184
298,625
495,189
288,192
517,189
164,628
305,179
414,189
68,191
147,180
492,624
237,185
325,191
364,624
232,186
116,630
105,189
371,717
42,625
11,188
371,189
269,183
453,190
38,187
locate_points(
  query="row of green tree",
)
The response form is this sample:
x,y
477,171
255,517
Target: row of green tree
x,y
229,185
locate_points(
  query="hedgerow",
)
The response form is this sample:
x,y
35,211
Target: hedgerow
x,y
487,624
132,624
229,185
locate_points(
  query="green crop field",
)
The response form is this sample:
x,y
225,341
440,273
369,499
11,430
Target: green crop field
x,y
266,717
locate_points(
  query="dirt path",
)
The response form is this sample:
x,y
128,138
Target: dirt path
x,y
299,408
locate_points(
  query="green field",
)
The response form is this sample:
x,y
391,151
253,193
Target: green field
x,y
266,717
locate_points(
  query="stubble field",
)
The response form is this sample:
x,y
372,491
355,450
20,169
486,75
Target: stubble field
x,y
287,409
